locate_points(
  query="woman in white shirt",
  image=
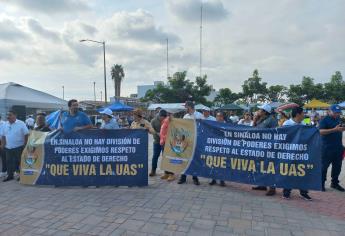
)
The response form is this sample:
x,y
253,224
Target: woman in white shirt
x,y
246,120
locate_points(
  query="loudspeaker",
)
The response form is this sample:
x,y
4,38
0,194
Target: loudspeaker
x,y
21,112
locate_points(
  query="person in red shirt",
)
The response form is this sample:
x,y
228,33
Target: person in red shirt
x,y
163,136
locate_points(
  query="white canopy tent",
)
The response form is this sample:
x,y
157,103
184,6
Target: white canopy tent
x,y
174,107
12,94
201,107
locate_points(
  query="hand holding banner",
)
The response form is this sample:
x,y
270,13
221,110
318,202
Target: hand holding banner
x,y
286,157
88,157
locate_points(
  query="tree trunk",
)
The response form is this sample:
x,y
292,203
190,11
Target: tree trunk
x,y
119,88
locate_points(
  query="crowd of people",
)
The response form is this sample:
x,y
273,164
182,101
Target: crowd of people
x,y
14,135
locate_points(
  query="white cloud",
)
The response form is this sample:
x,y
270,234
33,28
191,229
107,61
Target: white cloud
x,y
50,6
283,39
10,32
37,28
5,54
189,10
136,26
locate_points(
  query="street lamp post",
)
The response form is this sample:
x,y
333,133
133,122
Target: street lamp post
x,y
94,91
63,92
105,73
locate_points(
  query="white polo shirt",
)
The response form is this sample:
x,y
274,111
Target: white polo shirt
x,y
194,116
292,122
2,124
14,134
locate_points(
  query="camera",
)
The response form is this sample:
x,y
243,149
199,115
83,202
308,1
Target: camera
x,y
142,125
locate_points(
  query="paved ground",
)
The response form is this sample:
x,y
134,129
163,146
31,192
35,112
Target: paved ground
x,y
166,209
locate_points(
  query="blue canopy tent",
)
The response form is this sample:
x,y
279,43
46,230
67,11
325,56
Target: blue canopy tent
x,y
117,106
342,104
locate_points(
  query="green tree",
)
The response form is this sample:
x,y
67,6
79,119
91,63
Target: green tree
x,y
179,89
306,91
225,96
200,90
276,93
295,94
117,75
253,90
335,89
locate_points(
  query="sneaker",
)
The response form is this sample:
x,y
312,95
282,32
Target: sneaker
x,y
165,176
271,192
181,181
3,174
323,189
306,197
196,181
171,177
213,182
7,179
337,187
222,183
263,188
152,173
286,196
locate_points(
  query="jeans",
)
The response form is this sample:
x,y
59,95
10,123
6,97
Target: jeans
x,y
335,157
157,149
3,160
184,177
288,191
13,157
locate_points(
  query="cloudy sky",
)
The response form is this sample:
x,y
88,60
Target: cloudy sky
x,y
285,40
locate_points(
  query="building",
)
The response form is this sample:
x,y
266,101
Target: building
x,y
142,89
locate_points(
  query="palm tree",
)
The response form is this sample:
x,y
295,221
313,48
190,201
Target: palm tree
x,y
117,75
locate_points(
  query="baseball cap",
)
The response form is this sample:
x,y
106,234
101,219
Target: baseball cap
x,y
266,107
107,111
335,108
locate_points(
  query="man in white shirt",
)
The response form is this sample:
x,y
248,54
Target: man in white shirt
x,y
14,138
297,116
206,114
190,114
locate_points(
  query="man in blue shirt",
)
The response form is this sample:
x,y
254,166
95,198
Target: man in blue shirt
x,y
74,120
332,147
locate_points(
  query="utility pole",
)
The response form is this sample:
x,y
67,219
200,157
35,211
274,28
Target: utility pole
x,y
63,92
94,91
167,58
201,40
105,75
101,96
